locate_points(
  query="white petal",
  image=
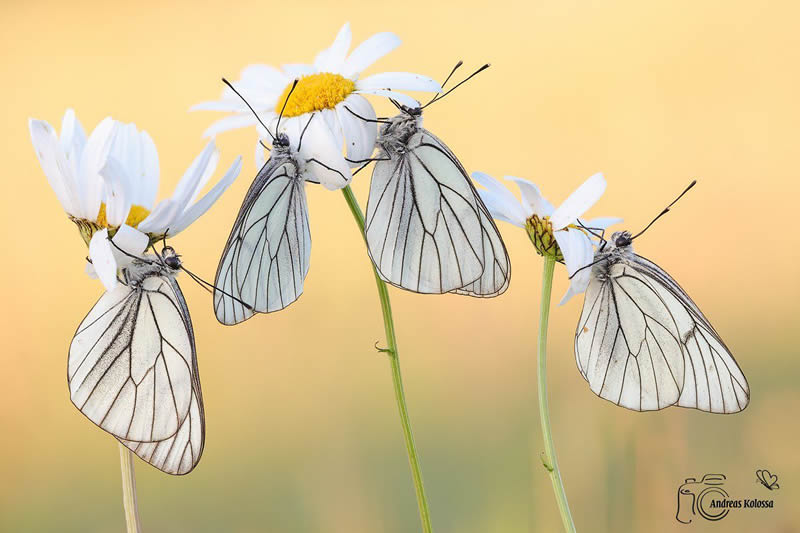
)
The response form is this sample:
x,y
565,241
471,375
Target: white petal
x,y
323,157
73,139
90,271
399,97
601,222
399,81
332,121
159,219
230,123
131,240
264,76
103,259
198,209
502,204
94,157
191,181
579,201
151,171
55,166
578,254
532,198
359,135
368,52
118,191
297,70
331,59
260,158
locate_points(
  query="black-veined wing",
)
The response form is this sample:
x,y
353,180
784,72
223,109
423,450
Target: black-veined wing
x,y
642,343
132,370
423,223
267,255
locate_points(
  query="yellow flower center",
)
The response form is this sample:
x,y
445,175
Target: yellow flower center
x,y
540,231
88,227
314,92
135,216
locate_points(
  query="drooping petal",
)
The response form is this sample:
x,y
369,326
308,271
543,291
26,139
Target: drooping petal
x,y
159,219
331,59
579,201
368,52
335,127
188,185
578,253
502,204
230,123
118,191
131,241
51,158
532,197
399,97
198,209
102,256
359,134
399,81
323,157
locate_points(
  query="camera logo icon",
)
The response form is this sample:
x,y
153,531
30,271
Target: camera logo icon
x,y
697,497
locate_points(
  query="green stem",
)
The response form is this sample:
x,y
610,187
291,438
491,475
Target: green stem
x,y
549,457
397,379
129,490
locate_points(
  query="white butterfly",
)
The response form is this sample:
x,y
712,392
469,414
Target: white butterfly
x,y
427,228
132,366
642,343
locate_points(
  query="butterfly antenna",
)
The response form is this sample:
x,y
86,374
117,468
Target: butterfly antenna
x,y
209,286
446,80
288,97
666,209
264,145
459,84
229,84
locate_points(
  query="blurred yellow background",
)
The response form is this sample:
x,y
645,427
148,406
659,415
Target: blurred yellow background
x,y
302,431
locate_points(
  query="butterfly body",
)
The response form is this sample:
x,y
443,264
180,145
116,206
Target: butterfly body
x,y
643,343
132,366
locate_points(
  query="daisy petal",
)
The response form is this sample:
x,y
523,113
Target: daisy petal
x,y
73,138
297,70
150,171
331,59
399,81
191,181
579,201
94,157
103,259
118,191
399,97
578,253
198,209
323,157
502,204
55,166
368,52
360,135
159,219
131,240
532,197
601,222
263,76
230,123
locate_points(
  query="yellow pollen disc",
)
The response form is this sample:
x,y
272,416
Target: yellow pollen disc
x,y
315,92
135,216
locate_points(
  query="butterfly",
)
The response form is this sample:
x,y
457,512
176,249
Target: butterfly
x,y
427,229
768,479
642,343
132,366
267,255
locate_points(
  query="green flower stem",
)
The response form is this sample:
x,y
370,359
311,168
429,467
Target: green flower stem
x,y
391,351
129,490
549,457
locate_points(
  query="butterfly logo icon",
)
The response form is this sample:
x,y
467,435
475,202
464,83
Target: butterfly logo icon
x,y
768,479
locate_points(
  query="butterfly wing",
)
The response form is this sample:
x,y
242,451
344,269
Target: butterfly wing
x,y
642,343
132,370
424,226
266,258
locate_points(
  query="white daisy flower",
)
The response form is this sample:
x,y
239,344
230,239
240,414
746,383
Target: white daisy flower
x,y
107,184
331,86
553,231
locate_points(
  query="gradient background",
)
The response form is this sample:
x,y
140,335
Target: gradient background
x,y
302,428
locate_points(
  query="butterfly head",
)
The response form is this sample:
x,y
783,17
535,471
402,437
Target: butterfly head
x,y
621,239
171,258
281,141
394,135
